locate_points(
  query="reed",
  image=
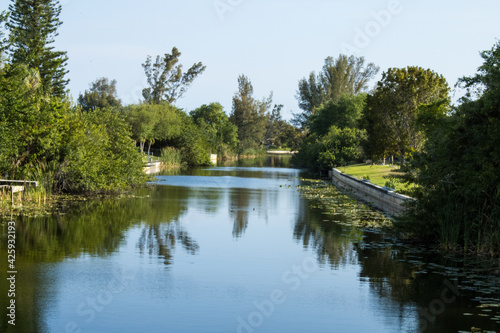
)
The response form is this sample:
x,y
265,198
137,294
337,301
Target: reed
x,y
171,157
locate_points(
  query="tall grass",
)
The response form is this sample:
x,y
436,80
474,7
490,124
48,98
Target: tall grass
x,y
250,152
171,157
33,198
450,220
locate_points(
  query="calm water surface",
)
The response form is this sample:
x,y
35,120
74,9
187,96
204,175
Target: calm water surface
x,y
230,249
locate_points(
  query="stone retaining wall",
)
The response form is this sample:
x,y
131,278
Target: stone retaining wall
x,y
382,198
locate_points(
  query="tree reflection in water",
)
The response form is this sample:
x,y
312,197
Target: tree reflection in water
x,y
160,240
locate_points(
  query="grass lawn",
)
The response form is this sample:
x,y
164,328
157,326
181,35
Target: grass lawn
x,y
374,172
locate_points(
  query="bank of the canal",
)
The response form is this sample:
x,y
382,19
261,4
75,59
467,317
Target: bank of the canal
x,y
385,199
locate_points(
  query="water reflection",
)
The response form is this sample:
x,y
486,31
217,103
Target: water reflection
x,y
228,236
160,240
238,210
332,242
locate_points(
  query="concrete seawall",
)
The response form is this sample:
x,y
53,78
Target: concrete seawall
x,y
382,198
151,168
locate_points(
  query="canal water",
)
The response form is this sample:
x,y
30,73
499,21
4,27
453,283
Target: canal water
x,y
233,248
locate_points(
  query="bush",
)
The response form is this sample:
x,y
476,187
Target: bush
x,y
99,154
338,147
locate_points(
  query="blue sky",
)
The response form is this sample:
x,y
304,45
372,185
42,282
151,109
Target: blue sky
x,y
274,42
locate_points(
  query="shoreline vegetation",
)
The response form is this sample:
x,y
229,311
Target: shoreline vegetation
x,y
447,155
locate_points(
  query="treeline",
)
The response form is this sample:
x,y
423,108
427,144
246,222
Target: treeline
x,y
448,154
98,144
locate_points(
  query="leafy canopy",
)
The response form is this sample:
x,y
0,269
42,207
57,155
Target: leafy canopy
x,y
393,109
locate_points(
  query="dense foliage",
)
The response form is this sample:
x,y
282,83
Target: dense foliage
x,y
394,107
457,172
220,135
99,153
43,137
335,136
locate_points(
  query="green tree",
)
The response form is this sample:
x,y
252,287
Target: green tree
x,y
340,146
273,125
337,147
347,112
142,123
221,135
393,109
32,28
169,121
151,123
310,94
191,142
287,135
341,76
102,94
167,82
249,115
458,195
30,123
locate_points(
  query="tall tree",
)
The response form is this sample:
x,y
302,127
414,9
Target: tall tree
x,y
220,134
249,115
346,75
30,123
341,76
273,127
393,109
167,82
102,94
32,28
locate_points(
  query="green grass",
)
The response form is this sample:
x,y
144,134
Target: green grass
x,y
375,173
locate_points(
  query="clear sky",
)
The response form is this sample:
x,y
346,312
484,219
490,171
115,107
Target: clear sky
x,y
273,42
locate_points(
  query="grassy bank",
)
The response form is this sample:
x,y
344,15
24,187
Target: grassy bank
x,y
376,174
